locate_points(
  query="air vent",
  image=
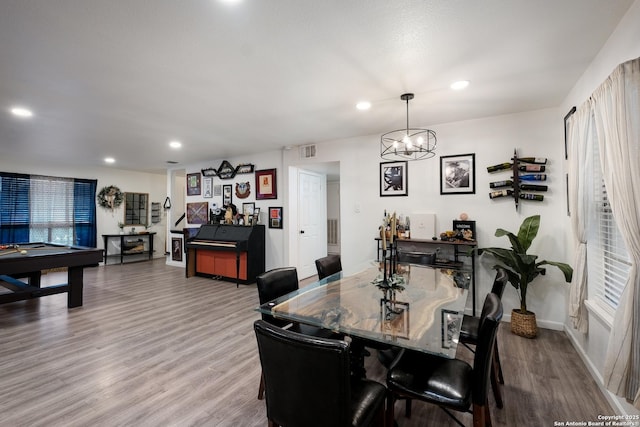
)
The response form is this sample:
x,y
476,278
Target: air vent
x,y
308,152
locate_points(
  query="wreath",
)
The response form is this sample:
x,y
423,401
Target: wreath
x,y
110,197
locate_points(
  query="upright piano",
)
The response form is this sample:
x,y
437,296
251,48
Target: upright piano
x,y
227,252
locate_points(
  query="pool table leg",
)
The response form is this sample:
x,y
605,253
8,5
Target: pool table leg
x,y
74,294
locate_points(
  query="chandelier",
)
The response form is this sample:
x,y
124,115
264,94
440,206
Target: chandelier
x,y
408,143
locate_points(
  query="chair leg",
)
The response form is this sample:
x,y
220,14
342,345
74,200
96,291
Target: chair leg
x,y
391,400
496,354
495,384
261,387
481,416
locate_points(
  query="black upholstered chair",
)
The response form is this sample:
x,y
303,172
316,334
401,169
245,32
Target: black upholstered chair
x,y
308,382
328,265
452,384
470,329
274,284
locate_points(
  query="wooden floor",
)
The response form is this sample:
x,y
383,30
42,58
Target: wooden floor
x,y
151,348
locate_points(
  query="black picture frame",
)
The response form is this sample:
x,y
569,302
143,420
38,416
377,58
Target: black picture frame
x,y
467,229
275,217
394,179
176,249
458,174
227,195
193,184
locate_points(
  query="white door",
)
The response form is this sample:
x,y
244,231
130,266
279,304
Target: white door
x,y
312,221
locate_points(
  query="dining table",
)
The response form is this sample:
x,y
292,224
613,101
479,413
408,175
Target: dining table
x,y
418,308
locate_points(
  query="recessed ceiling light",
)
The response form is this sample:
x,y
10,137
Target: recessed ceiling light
x,y
21,112
109,160
363,105
175,144
459,84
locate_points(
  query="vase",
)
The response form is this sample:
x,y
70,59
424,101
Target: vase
x,y
524,324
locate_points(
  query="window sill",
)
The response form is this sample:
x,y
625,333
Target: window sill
x,y
604,315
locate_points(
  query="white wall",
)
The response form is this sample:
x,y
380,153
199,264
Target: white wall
x,y
623,45
127,181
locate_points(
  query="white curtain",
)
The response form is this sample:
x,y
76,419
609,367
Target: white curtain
x,y
579,138
617,119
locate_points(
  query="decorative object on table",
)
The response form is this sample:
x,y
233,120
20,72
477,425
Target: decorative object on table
x,y
110,197
230,213
458,174
394,179
275,217
522,269
517,186
121,227
197,213
193,184
247,212
227,196
408,143
465,230
388,234
266,185
243,190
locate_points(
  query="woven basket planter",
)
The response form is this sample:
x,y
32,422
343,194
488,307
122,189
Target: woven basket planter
x,y
524,324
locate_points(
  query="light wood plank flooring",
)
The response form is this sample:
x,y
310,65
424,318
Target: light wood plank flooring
x,y
151,348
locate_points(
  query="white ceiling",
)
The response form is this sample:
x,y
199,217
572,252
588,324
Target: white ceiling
x,y
122,78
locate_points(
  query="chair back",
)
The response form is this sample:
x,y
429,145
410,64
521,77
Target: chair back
x,y
489,321
500,282
274,284
328,265
307,380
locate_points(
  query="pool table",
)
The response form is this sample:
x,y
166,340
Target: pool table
x,y
27,261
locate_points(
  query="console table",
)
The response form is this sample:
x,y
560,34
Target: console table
x,y
447,255
130,244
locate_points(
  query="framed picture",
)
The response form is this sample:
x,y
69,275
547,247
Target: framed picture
x,y
207,187
197,213
275,217
248,208
256,216
266,187
227,195
393,179
193,184
467,229
458,174
176,249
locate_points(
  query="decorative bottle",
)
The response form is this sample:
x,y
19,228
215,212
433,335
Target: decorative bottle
x,y
533,177
533,187
536,160
528,196
500,193
531,168
497,184
500,167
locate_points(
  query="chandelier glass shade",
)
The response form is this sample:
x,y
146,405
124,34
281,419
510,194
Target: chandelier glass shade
x,y
408,143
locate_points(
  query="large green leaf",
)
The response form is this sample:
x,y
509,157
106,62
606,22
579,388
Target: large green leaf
x,y
528,231
515,243
565,268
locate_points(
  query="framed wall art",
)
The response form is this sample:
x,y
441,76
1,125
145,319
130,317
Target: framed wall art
x,y
197,213
393,179
266,187
458,174
227,195
207,187
176,249
275,217
193,184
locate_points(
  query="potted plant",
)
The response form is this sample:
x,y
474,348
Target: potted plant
x,y
121,227
522,269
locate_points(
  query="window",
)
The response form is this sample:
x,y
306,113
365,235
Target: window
x,y
609,262
47,209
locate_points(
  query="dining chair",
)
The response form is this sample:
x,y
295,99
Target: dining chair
x,y
308,382
451,384
274,284
328,265
470,329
